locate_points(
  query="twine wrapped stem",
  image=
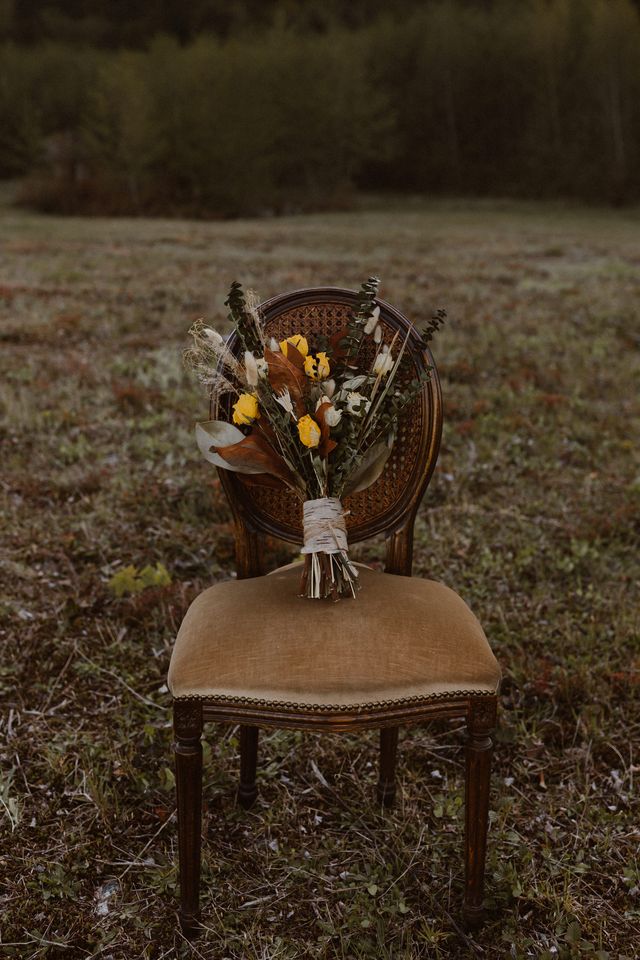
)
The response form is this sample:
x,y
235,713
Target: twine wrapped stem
x,y
328,572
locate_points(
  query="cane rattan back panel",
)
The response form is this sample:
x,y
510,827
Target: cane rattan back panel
x,y
384,506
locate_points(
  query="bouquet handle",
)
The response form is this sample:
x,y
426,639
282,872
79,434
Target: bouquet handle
x,y
328,571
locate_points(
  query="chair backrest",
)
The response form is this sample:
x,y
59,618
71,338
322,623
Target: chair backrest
x,y
388,505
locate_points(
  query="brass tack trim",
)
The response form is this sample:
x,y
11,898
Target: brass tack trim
x,y
291,706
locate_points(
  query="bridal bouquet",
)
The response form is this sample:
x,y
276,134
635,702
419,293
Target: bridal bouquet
x,y
316,414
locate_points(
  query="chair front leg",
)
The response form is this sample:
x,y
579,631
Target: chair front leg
x,y
187,725
481,724
386,789
247,790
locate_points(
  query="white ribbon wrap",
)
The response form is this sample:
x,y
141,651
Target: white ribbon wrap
x,y
325,530
328,572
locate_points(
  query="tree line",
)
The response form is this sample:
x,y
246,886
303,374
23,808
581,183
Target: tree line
x,y
535,99
132,23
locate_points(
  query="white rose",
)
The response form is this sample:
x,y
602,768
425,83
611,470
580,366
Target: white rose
x,y
384,362
332,416
357,404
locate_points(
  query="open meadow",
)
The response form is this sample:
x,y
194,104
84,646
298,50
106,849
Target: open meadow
x,y
533,516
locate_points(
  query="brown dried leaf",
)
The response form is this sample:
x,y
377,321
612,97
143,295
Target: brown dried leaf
x,y
295,357
264,428
326,444
256,454
283,375
215,433
338,352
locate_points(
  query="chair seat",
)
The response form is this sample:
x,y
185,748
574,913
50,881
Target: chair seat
x,y
403,638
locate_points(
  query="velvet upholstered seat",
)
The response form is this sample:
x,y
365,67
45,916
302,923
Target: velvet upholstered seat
x,y
407,650
402,638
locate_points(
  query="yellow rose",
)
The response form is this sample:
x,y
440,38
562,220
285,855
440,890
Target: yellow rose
x,y
245,410
317,368
297,341
309,431
324,369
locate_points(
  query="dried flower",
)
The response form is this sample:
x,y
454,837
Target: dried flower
x,y
212,334
308,431
297,341
245,409
318,368
251,368
212,360
357,404
345,408
252,302
284,399
332,416
384,362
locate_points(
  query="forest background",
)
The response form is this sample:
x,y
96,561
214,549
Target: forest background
x,y
216,108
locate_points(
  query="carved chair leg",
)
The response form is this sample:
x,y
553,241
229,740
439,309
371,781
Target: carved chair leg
x,y
480,728
187,725
247,791
386,789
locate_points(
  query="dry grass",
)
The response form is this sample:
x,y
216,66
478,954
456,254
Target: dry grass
x,y
532,516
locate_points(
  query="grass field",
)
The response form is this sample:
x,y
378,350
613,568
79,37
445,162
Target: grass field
x,y
532,516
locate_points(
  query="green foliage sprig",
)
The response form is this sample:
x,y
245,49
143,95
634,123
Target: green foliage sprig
x,y
365,306
433,325
243,318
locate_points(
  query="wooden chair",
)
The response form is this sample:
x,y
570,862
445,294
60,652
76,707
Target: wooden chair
x,y
405,651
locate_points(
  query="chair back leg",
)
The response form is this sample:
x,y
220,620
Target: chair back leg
x,y
386,789
481,724
247,790
187,725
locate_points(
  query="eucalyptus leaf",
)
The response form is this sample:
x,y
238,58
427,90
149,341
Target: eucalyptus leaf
x,y
354,382
369,468
217,433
